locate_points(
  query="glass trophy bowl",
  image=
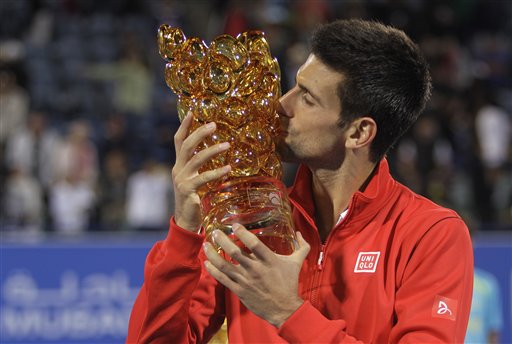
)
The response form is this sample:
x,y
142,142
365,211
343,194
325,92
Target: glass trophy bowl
x,y
234,82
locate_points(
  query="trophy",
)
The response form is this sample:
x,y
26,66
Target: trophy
x,y
235,83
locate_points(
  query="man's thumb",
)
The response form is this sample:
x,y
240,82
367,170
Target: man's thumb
x,y
304,247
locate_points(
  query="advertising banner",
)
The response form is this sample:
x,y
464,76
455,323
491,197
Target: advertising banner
x,y
83,292
68,293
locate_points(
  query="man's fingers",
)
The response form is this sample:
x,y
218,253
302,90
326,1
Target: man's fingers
x,y
222,270
251,241
181,133
196,137
205,155
187,172
220,276
208,176
186,143
231,248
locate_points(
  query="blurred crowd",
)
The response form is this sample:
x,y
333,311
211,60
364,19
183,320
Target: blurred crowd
x,y
87,122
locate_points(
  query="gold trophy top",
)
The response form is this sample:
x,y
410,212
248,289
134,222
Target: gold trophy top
x,y
234,82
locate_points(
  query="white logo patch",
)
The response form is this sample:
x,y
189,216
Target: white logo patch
x,y
367,262
442,308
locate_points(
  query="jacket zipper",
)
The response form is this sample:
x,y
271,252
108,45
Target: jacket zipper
x,y
312,294
320,261
317,272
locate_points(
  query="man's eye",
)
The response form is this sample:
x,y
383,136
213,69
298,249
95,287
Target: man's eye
x,y
307,98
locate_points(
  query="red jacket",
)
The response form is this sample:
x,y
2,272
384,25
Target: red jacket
x,y
397,268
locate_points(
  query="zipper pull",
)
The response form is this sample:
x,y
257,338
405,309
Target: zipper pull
x,y
320,261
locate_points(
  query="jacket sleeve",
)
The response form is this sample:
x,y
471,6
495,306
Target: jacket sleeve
x,y
178,302
432,299
308,325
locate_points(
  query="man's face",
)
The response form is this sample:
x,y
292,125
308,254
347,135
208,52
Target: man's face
x,y
309,114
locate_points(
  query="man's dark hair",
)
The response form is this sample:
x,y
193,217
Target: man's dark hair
x,y
385,76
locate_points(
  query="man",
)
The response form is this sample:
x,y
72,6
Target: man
x,y
375,263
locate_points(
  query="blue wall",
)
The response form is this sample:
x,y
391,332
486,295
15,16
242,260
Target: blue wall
x,y
69,293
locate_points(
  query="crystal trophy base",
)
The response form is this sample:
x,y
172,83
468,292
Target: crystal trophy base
x,y
260,204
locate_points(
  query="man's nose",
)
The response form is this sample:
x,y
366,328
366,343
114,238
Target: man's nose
x,y
283,105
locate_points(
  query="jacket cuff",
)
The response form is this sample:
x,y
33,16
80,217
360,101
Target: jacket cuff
x,y
303,325
185,245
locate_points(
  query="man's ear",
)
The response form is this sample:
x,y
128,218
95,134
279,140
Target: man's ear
x,y
360,133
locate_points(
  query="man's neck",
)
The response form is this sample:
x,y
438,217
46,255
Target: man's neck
x,y
333,189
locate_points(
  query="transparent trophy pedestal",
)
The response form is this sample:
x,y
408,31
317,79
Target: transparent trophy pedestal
x,y
260,204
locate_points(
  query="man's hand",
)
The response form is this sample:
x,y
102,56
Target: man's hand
x,y
185,176
265,282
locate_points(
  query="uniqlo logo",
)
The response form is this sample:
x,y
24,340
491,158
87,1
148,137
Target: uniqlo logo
x,y
444,307
367,262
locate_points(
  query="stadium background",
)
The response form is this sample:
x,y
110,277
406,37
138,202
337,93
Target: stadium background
x,y
87,127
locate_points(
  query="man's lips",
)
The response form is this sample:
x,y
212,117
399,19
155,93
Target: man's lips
x,y
283,128
282,132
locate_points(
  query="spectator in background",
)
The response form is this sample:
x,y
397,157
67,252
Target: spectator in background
x,y
309,14
71,204
493,126
30,156
493,132
114,138
72,197
31,149
424,159
486,317
132,80
77,156
112,191
148,198
23,202
236,17
14,105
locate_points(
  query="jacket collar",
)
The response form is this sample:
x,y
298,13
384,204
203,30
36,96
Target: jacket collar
x,y
362,205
